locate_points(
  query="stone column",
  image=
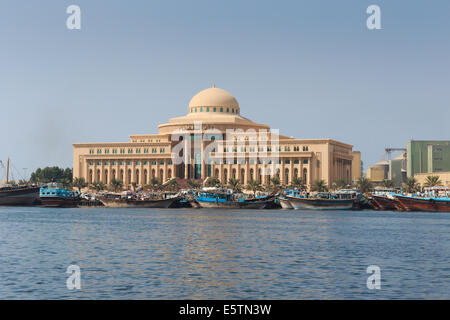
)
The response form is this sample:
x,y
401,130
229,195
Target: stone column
x,y
186,159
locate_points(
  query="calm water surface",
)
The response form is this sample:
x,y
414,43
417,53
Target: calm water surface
x,y
222,254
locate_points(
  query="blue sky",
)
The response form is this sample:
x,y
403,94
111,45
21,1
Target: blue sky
x,y
310,68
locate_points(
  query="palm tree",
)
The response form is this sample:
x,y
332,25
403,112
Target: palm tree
x,y
116,184
254,185
235,184
364,185
213,182
172,185
410,185
155,183
298,183
194,184
340,184
79,183
319,186
433,181
98,186
388,183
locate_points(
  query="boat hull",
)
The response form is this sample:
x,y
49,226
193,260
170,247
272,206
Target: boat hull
x,y
19,197
384,203
59,202
416,204
285,204
320,204
232,204
132,203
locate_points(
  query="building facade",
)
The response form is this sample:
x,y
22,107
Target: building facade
x,y
427,156
213,139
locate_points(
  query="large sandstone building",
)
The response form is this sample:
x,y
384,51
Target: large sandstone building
x,y
213,139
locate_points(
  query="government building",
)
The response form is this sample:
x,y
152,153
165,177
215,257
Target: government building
x,y
213,139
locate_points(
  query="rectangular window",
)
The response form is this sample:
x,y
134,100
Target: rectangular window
x,y
122,151
114,151
91,151
146,150
130,150
99,151
106,151
305,161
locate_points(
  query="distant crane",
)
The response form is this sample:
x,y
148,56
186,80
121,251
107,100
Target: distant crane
x,y
389,151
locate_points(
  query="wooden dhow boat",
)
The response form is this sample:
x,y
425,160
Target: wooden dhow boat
x,y
229,201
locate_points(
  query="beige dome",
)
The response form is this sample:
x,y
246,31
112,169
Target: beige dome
x,y
214,97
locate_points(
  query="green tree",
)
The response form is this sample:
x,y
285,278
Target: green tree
x,y
79,183
213,182
410,185
98,186
298,183
51,174
235,185
116,184
155,183
432,181
364,185
194,184
172,185
319,186
340,184
388,183
254,185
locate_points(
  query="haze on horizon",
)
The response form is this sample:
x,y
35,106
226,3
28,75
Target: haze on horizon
x,y
309,68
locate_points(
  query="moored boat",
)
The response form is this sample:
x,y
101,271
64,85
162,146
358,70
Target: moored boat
x,y
228,201
55,195
17,195
324,201
416,203
384,202
120,202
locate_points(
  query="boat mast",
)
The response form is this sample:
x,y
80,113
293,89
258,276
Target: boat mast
x,y
7,171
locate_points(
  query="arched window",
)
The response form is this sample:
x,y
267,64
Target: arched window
x,y
129,176
234,174
97,177
145,177
153,173
106,176
286,176
161,175
137,176
216,173
90,176
225,176
251,174
169,174
305,175
296,173
121,175
242,176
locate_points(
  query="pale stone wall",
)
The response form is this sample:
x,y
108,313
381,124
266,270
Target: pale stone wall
x,y
443,176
